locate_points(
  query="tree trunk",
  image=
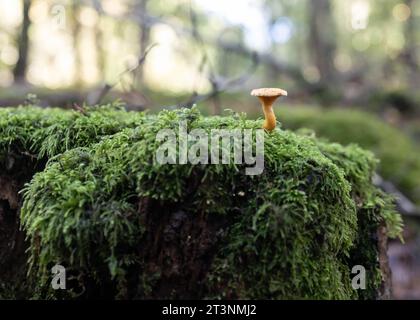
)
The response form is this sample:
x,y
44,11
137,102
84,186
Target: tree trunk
x,y
19,72
321,40
76,30
144,36
409,55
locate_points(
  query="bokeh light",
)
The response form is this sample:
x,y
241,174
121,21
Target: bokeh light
x,y
401,12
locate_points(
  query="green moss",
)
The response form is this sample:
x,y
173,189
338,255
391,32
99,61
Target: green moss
x,y
29,136
373,207
399,156
44,133
294,231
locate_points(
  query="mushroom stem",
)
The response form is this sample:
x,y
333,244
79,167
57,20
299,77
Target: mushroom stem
x,y
270,117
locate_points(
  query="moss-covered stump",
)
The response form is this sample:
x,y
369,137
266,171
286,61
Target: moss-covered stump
x,y
29,136
127,227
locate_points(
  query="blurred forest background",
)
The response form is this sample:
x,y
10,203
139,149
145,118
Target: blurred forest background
x,y
352,70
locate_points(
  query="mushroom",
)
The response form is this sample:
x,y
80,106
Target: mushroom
x,y
267,97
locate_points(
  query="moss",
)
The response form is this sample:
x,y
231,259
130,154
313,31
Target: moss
x,y
30,136
47,132
399,156
373,208
127,227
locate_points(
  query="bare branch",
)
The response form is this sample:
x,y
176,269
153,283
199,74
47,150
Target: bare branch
x,y
268,59
220,87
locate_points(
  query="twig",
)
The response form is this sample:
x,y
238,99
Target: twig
x,y
218,83
79,108
221,87
288,70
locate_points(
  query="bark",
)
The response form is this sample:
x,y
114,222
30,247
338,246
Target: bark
x,y
385,290
180,246
13,257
